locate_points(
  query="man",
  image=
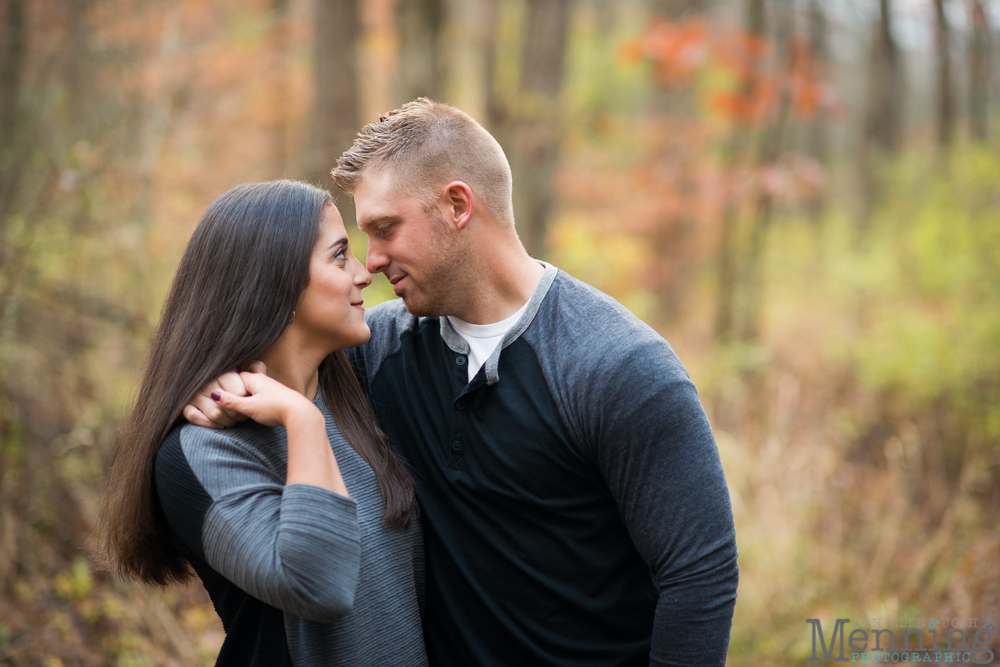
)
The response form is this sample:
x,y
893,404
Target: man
x,y
574,506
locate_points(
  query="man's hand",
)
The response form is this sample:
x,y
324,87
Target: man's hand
x,y
203,411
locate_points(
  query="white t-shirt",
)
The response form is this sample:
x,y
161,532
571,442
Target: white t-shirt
x,y
483,338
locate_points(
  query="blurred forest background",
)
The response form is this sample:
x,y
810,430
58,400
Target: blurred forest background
x,y
803,196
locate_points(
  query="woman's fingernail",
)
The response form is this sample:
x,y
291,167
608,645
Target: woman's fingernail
x,y
216,396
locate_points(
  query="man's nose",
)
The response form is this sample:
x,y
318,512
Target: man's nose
x,y
375,261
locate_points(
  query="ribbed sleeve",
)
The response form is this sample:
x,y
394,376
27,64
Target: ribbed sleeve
x,y
284,565
296,548
299,552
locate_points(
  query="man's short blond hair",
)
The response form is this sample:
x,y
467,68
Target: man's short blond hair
x,y
425,145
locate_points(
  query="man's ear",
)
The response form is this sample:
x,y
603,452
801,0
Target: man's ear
x,y
458,204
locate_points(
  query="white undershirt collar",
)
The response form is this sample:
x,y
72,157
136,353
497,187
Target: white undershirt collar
x,y
483,338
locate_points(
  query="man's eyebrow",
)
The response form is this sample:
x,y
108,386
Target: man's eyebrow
x,y
377,220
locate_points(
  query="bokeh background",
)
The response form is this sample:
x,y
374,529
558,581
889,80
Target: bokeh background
x,y
803,196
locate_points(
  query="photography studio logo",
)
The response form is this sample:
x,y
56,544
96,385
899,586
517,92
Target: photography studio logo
x,y
901,640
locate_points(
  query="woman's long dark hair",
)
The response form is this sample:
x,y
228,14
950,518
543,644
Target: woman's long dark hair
x,y
234,293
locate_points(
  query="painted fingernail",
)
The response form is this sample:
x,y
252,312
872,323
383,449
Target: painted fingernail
x,y
216,396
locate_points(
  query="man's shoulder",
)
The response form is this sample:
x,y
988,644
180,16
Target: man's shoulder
x,y
389,322
387,312
591,321
584,338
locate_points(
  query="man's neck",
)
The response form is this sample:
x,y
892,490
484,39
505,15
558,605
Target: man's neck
x,y
502,284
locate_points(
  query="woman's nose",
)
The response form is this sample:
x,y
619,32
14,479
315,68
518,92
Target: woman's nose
x,y
362,277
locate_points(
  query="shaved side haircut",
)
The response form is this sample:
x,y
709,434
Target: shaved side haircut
x,y
424,146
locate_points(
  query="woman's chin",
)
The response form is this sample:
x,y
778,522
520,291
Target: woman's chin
x,y
363,335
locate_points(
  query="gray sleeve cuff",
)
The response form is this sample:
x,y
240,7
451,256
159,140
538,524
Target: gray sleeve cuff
x,y
298,550
319,543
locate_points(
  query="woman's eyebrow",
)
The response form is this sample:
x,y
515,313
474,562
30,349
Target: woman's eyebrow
x,y
338,242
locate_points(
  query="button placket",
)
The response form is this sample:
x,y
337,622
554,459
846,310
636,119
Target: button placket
x,y
456,446
456,452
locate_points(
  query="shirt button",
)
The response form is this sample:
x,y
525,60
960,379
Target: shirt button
x,y
460,405
456,445
460,360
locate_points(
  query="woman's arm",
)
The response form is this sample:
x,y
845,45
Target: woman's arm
x,y
286,534
310,457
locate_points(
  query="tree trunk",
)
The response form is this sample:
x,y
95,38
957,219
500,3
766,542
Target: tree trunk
x,y
336,118
727,276
420,62
680,101
12,46
880,130
945,94
885,89
537,123
729,246
491,102
157,122
755,15
675,10
770,152
817,132
12,50
279,85
979,72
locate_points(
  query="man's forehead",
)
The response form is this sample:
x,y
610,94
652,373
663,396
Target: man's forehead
x,y
378,195
375,179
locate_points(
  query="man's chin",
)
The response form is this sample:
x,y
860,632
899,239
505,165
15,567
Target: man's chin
x,y
417,308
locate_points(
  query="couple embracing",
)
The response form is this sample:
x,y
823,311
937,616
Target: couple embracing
x,y
502,467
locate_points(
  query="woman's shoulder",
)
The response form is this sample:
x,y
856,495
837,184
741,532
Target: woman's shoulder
x,y
248,448
185,436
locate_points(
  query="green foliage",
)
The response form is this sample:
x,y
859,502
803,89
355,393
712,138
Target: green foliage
x,y
584,254
598,80
934,303
76,583
380,290
859,436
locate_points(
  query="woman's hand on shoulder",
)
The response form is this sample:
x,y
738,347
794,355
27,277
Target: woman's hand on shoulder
x,y
267,401
203,411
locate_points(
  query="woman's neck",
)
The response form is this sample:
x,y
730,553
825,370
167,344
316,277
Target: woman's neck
x,y
293,367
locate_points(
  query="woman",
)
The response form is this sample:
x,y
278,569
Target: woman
x,y
302,523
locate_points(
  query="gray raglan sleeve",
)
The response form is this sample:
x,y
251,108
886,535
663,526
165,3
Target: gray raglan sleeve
x,y
648,433
635,414
296,547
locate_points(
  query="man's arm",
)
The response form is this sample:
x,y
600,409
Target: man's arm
x,y
634,412
653,444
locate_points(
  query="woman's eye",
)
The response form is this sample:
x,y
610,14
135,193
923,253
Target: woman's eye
x,y
341,254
